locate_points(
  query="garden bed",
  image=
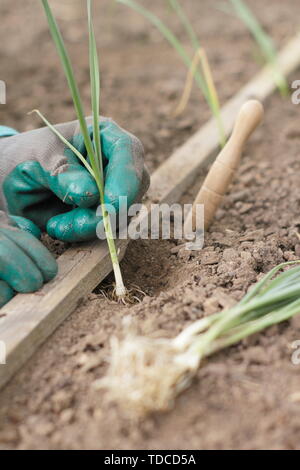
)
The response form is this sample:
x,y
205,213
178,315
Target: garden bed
x,y
245,397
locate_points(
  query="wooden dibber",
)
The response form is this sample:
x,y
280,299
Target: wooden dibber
x,y
223,169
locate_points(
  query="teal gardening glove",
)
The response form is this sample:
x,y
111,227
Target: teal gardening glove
x,y
25,264
43,181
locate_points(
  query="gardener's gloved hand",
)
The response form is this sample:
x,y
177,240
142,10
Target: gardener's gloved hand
x,y
25,264
42,180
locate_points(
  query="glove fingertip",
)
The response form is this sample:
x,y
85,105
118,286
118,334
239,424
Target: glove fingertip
x,y
52,226
51,270
6,293
78,225
75,187
27,226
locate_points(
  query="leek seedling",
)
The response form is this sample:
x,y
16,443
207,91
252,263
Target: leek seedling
x,y
199,57
93,148
264,41
204,85
146,374
175,4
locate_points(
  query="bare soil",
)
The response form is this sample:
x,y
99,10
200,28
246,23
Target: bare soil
x,y
245,397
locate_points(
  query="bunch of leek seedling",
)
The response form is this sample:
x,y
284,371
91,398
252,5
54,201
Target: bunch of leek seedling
x,y
204,82
264,42
93,148
146,374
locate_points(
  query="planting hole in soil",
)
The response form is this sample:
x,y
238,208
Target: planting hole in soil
x,y
234,383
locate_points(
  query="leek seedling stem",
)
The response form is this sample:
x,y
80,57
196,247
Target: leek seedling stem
x,y
202,56
93,148
264,41
175,4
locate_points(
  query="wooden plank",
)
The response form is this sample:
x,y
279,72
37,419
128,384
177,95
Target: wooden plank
x,y
29,319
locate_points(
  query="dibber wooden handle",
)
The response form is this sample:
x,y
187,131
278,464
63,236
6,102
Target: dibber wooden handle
x,y
225,165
